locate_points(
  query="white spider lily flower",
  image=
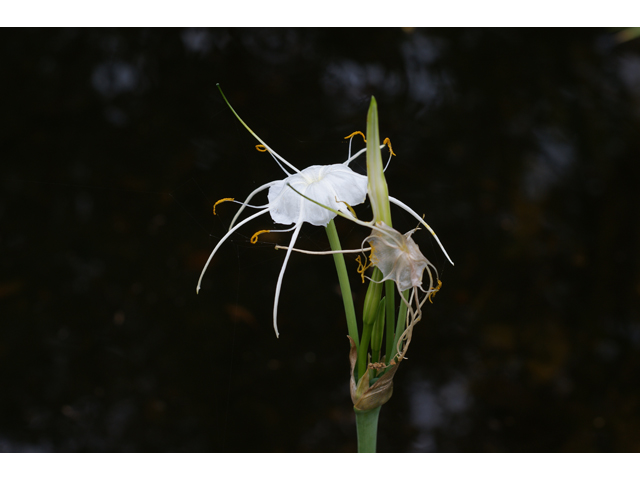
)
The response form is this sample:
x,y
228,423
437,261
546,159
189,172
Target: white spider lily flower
x,y
334,186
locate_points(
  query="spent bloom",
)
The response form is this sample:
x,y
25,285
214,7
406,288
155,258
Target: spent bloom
x,y
397,256
399,259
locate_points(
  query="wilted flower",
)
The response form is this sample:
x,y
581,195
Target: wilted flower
x,y
398,257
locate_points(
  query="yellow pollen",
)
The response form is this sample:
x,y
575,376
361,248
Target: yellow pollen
x,y
220,201
435,290
261,148
254,239
356,133
387,142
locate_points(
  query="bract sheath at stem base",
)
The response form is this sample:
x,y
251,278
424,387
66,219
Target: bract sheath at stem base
x,y
363,395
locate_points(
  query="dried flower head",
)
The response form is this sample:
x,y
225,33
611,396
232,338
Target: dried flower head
x,y
397,256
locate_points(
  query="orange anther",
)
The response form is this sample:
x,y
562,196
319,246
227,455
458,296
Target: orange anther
x,y
261,148
220,201
354,134
435,290
387,142
254,238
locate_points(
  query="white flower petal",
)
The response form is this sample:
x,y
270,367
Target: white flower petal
x,y
329,185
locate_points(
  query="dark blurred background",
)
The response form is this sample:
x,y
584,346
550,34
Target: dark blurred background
x,y
521,147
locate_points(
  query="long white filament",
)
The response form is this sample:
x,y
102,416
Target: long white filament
x,y
294,237
257,137
251,195
282,231
322,252
273,155
350,159
246,220
408,209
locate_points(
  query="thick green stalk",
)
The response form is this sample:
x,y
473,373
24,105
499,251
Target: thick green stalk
x,y
343,279
369,316
363,350
367,429
390,292
378,332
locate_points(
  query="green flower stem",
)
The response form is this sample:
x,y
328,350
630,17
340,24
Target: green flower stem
x,y
367,429
390,292
378,331
363,350
369,316
402,319
343,278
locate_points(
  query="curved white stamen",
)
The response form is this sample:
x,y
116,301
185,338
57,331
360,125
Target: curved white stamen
x,y
350,159
246,220
322,252
294,237
350,140
388,162
256,136
251,195
271,152
283,231
419,218
245,204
